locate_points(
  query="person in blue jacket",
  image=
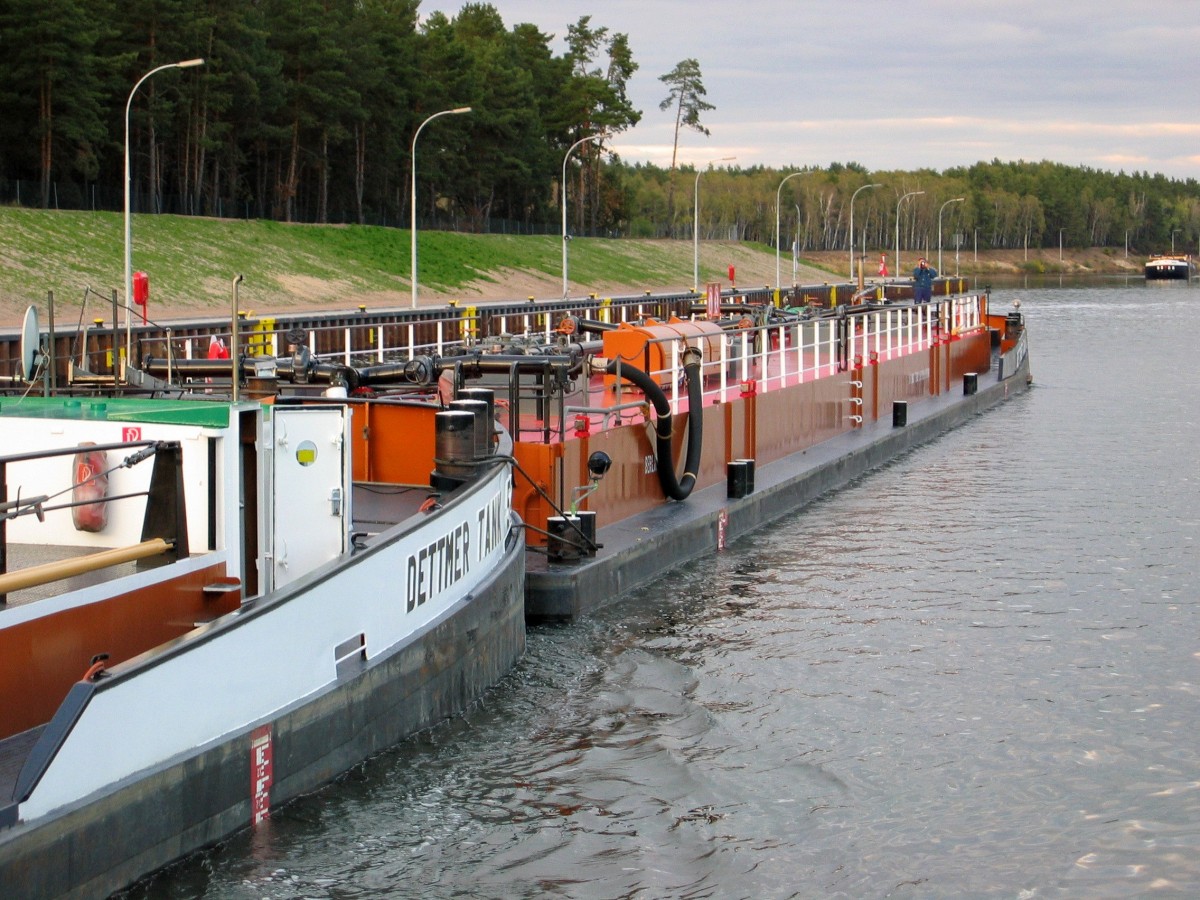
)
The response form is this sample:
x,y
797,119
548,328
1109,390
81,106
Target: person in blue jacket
x,y
923,276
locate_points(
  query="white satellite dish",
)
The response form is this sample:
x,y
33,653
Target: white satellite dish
x,y
31,349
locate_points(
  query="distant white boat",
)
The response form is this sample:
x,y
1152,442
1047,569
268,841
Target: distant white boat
x,y
1169,267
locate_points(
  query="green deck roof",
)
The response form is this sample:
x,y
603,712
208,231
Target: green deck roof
x,y
202,413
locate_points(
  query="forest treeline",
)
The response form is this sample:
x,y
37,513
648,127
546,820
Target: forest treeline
x,y
305,111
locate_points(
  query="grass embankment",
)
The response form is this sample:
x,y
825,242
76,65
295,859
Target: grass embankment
x,y
192,263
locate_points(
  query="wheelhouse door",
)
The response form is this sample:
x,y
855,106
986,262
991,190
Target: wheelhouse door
x,y
311,489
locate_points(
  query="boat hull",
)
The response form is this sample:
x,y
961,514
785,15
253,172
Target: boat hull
x,y
643,547
110,839
176,739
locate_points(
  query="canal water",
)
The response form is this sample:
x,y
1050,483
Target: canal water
x,y
975,672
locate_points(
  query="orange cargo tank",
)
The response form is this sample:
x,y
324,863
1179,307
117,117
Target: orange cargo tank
x,y
648,346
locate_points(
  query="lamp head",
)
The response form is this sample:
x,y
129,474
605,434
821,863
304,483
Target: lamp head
x,y
598,464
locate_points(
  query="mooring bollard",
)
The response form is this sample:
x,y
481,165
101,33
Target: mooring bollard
x,y
587,524
454,448
482,427
739,478
563,541
488,396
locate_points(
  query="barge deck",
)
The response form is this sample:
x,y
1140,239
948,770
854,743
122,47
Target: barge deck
x,y
637,550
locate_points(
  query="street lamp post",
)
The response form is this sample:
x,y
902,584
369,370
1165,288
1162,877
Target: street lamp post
x,y
901,200
567,156
778,193
185,64
796,249
1060,231
943,206
1174,232
413,193
852,196
696,224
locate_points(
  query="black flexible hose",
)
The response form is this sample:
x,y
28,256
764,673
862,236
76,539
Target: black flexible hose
x,y
673,487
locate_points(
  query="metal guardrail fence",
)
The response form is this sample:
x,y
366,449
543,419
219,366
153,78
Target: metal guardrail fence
x,y
98,346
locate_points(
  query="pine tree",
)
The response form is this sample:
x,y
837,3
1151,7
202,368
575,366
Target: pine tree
x,y
686,90
51,88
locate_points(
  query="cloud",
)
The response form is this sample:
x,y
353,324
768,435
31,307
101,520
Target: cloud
x,y
927,84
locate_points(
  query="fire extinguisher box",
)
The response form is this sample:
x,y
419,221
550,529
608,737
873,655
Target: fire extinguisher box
x,y
141,288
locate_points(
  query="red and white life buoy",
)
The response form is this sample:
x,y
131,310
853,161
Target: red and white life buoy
x,y
90,490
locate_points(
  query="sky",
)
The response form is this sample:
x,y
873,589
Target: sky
x,y
907,84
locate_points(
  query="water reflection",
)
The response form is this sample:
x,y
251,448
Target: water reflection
x,y
1060,280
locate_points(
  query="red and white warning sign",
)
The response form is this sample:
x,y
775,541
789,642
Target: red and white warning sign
x,y
713,300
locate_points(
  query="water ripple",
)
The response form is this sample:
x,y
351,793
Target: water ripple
x,y
971,673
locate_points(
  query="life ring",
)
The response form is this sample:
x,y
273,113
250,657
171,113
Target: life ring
x,y
90,489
